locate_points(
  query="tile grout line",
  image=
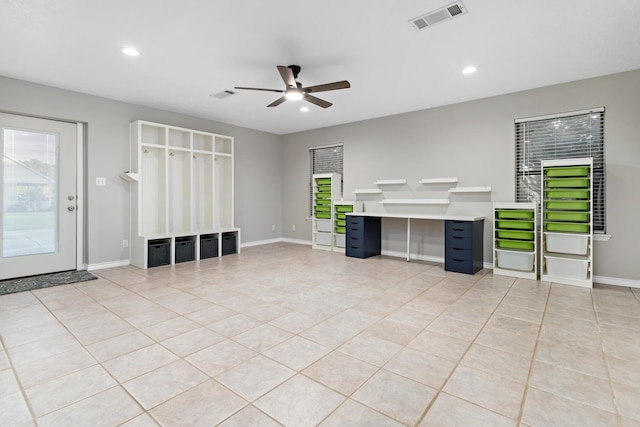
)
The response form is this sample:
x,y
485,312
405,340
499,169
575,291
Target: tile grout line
x,y
19,383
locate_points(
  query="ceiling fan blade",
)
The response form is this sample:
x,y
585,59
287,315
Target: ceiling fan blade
x,y
328,86
319,102
258,88
277,102
287,76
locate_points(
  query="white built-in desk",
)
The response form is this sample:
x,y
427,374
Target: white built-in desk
x,y
463,237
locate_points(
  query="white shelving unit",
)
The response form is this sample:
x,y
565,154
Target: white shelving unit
x,y
340,210
567,227
326,189
181,188
515,250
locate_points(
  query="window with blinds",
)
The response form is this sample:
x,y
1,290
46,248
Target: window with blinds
x,y
326,159
571,135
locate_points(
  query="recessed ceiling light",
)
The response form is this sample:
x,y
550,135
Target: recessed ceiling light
x,y
129,51
304,109
470,69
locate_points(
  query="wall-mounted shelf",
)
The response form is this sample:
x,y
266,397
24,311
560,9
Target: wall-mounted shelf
x,y
367,191
130,176
470,190
438,181
415,202
390,181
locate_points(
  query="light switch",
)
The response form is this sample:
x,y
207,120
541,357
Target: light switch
x,y
100,180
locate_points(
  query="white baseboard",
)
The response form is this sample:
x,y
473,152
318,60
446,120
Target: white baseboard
x,y
260,242
616,281
298,241
103,265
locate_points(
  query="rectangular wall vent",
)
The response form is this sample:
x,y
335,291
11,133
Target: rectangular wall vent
x,y
439,15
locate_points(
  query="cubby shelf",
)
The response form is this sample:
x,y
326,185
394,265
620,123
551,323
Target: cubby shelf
x,y
181,188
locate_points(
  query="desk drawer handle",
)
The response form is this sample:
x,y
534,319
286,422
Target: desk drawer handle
x,y
458,229
458,260
458,249
459,237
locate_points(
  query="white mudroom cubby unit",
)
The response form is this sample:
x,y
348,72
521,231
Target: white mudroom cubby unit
x,y
326,189
181,195
515,247
567,226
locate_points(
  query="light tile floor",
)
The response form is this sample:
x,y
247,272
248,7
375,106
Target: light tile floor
x,y
286,335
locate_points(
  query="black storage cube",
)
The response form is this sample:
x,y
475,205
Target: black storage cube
x,y
158,253
229,243
208,246
185,249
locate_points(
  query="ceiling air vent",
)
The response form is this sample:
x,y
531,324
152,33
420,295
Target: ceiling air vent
x,y
438,15
223,94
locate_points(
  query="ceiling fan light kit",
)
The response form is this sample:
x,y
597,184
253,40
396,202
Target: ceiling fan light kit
x,y
294,91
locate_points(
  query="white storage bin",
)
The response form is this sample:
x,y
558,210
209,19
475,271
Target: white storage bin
x,y
514,260
340,240
569,267
323,239
567,243
323,225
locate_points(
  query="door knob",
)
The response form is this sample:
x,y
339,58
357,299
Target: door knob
x,y
71,208
70,198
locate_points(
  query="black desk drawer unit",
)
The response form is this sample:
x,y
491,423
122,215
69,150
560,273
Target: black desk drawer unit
x,y
363,236
463,246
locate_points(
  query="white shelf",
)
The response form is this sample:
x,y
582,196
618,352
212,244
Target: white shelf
x,y
130,176
438,181
415,202
390,181
367,191
470,190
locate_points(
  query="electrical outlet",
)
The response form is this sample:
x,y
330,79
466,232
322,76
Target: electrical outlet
x,y
273,228
293,228
101,181
125,243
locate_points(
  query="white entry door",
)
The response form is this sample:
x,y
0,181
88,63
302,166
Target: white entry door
x,y
38,200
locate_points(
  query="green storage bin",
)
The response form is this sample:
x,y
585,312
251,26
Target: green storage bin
x,y
567,205
341,216
516,225
568,227
515,234
514,244
567,216
323,209
341,230
566,194
568,171
323,202
323,195
323,181
323,215
567,183
344,208
324,188
514,214
341,223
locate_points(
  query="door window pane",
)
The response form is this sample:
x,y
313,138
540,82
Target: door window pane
x,y
29,192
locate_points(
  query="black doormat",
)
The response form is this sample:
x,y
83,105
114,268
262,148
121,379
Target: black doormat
x,y
30,283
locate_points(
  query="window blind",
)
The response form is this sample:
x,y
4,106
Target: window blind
x,y
566,136
325,159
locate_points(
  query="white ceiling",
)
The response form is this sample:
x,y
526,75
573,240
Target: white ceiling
x,y
194,48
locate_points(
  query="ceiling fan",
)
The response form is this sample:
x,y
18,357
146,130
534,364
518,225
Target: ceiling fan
x,y
294,90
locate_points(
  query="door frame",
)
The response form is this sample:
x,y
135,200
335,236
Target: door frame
x,y
81,202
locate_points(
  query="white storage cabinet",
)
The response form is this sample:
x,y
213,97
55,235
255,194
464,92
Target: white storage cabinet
x,y
326,189
181,190
567,241
515,250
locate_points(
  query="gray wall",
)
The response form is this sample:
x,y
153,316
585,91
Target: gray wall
x,y
474,141
258,163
